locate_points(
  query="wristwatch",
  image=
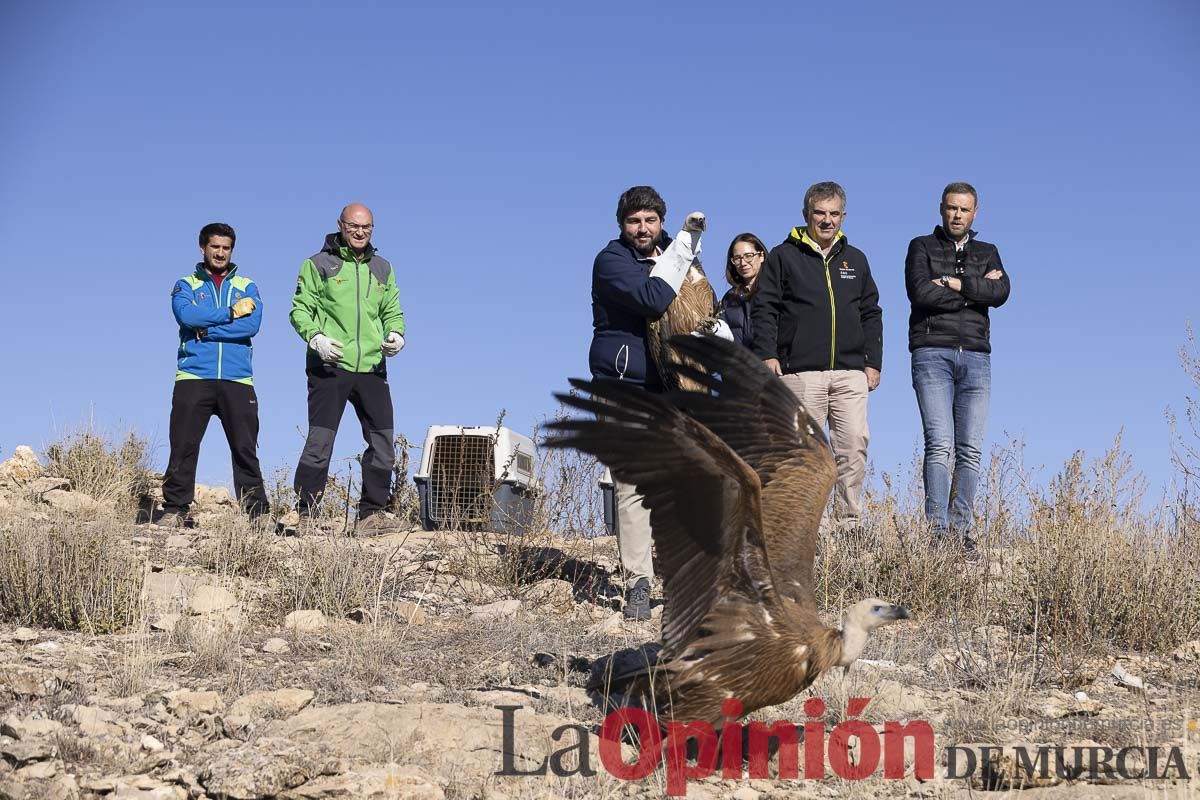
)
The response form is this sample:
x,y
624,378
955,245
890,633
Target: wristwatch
x,y
944,280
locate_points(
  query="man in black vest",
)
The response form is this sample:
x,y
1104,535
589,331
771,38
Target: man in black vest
x,y
952,279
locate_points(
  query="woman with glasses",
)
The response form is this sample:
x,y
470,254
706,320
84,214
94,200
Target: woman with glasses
x,y
742,265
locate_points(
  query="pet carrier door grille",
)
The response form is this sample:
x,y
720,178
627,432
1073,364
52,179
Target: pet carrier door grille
x,y
462,480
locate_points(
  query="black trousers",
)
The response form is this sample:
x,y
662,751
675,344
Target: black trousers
x,y
193,403
329,389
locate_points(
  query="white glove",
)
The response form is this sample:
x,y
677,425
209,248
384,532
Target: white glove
x,y
721,330
329,350
672,266
393,344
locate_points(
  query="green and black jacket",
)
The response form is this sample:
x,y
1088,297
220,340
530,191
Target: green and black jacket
x,y
354,301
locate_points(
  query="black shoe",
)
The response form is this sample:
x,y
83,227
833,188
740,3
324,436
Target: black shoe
x,y
637,600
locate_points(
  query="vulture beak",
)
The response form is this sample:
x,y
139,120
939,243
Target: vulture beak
x,y
894,613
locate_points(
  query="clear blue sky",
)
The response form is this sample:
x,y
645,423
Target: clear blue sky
x,y
492,140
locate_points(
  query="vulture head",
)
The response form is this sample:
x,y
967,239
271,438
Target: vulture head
x,y
862,618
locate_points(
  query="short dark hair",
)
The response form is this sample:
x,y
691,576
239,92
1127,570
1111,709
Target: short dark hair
x,y
823,191
640,198
217,229
731,274
960,187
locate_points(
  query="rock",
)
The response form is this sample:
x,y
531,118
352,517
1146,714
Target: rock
x,y
306,621
409,612
446,739
38,770
1188,651
165,623
611,625
372,783
24,636
70,502
745,793
272,705
276,645
210,496
551,592
1060,705
24,729
208,599
134,787
169,591
93,721
150,744
178,541
49,648
30,682
495,611
22,468
26,752
265,768
185,702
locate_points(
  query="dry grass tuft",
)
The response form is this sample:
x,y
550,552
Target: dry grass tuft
x,y
336,576
240,549
101,466
69,575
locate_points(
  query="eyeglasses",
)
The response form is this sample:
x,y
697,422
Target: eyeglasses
x,y
745,259
350,226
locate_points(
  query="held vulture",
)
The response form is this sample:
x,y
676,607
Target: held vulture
x,y
736,479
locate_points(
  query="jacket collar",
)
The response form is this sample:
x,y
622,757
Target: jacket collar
x,y
333,244
799,237
202,271
663,242
941,234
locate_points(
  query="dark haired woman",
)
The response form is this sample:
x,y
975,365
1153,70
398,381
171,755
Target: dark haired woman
x,y
742,265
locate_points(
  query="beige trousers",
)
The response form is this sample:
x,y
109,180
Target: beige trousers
x,y
633,534
839,397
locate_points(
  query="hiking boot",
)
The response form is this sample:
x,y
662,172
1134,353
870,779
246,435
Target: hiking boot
x,y
637,600
173,519
377,524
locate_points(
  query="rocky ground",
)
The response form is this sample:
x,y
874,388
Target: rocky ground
x,y
330,667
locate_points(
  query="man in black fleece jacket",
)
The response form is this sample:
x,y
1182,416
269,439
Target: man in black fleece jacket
x,y
818,324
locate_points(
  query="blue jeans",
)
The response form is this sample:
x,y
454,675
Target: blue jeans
x,y
953,387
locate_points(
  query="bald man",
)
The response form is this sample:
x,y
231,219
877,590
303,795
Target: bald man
x,y
347,309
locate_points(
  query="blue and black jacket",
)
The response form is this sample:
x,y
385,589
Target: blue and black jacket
x,y
624,296
213,345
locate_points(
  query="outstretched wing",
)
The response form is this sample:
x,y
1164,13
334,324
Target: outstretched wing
x,y
753,412
703,499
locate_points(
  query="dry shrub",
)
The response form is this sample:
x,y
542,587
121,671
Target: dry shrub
x,y
134,667
69,575
1077,564
336,576
238,548
100,466
214,644
1094,566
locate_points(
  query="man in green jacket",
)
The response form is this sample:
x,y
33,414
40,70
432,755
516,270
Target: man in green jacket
x,y
347,309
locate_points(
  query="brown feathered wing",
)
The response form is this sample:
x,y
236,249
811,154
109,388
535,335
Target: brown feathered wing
x,y
703,499
753,412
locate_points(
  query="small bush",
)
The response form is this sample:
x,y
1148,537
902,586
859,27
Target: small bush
x,y
239,549
68,575
100,466
335,577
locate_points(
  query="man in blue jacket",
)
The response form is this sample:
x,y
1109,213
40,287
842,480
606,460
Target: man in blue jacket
x,y
634,279
218,312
